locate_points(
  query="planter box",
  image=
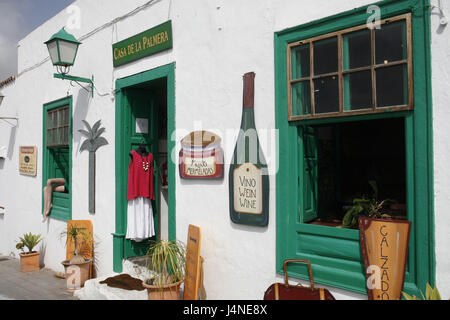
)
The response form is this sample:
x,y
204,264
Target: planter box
x,y
168,292
29,262
76,274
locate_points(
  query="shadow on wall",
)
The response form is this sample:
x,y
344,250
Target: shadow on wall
x,y
42,251
79,113
12,142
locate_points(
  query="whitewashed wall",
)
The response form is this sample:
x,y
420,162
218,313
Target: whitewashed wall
x,y
215,43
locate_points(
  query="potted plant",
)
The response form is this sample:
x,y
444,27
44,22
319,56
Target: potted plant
x,y
166,260
29,261
366,207
77,268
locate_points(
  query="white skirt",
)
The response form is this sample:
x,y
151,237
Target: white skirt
x,y
140,224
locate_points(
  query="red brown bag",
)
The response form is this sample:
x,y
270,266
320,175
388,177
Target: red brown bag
x,y
285,291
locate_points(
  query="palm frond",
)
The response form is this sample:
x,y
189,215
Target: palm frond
x,y
88,126
99,132
99,142
95,127
85,133
87,145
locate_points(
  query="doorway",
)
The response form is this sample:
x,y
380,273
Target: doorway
x,y
145,116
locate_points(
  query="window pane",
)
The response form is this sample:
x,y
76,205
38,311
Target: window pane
x,y
60,136
356,49
49,137
358,90
392,87
66,116
390,42
301,98
326,94
55,119
300,61
50,120
325,56
66,135
60,117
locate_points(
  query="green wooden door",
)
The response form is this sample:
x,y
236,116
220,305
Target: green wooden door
x,y
308,173
141,127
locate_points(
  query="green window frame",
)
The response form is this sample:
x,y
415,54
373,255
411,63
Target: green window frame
x,y
305,73
335,253
57,154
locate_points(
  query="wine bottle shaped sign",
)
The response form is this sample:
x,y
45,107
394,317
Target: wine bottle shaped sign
x,y
248,177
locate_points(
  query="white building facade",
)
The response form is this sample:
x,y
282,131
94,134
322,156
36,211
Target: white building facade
x,y
198,83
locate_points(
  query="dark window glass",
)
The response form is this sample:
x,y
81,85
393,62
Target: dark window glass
x,y
392,86
358,90
356,49
390,42
325,56
300,61
326,94
301,98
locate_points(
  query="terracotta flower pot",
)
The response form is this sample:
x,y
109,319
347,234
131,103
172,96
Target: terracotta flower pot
x,y
29,262
76,273
168,292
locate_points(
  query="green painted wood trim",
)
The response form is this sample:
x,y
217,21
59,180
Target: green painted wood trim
x,y
419,144
168,72
65,215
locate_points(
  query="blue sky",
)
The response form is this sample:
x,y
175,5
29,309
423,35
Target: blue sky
x,y
17,19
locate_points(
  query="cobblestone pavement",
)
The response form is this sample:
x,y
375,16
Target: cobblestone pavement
x,y
39,285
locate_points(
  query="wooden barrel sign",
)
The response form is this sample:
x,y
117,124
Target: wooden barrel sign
x,y
201,156
384,246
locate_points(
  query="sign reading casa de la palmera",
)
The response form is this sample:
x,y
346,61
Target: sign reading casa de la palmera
x,y
146,43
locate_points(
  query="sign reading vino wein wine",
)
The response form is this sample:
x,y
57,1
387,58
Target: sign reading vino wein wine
x,y
248,179
248,189
146,43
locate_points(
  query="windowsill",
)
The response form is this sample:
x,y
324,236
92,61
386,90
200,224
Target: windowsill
x,y
327,231
334,224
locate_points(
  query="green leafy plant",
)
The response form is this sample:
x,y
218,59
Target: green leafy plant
x,y
167,261
76,236
29,241
366,206
430,294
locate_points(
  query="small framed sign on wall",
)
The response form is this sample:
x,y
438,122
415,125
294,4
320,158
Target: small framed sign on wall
x,y
27,161
201,156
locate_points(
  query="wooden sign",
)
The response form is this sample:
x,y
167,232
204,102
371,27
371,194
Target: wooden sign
x,y
27,161
384,246
193,264
201,156
248,186
248,189
85,250
146,43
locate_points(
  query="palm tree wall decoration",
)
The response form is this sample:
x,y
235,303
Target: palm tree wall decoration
x,y
92,143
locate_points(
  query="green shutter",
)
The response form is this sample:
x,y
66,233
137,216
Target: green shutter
x,y
308,174
59,163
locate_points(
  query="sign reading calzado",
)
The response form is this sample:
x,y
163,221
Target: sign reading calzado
x,y
146,43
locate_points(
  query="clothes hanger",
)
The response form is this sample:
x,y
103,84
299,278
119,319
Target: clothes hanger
x,y
141,150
